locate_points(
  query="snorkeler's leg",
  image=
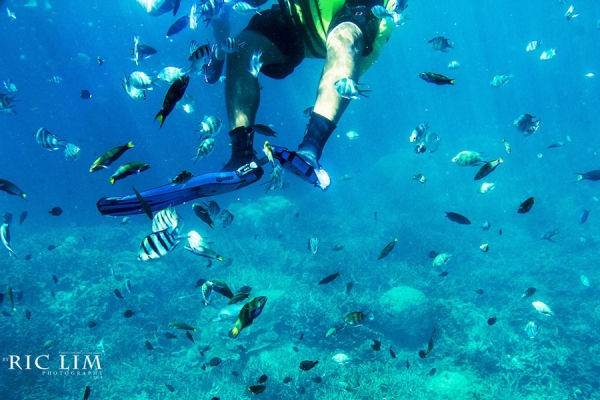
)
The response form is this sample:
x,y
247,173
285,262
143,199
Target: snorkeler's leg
x,y
242,95
344,50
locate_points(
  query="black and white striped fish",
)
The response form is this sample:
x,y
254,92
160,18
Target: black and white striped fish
x,y
5,235
209,127
157,244
199,52
231,45
48,141
167,219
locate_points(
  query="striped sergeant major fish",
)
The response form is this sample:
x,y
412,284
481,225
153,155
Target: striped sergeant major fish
x,y
48,141
167,219
157,244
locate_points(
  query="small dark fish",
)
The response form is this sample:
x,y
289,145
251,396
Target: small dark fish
x,y
171,388
178,26
27,257
56,211
407,364
22,217
245,289
584,216
376,345
590,176
86,394
375,215
235,373
432,372
459,219
54,279
392,354
6,313
488,168
307,365
149,345
262,379
85,94
189,336
525,206
287,380
110,156
174,94
215,361
51,247
387,249
556,145
440,43
444,273
226,218
7,218
492,321
118,294
92,324
257,389
349,287
27,314
528,293
170,335
479,291
264,130
435,78
212,207
317,379
500,232
1,298
433,254
182,177
329,278
202,213
301,336
128,313
295,349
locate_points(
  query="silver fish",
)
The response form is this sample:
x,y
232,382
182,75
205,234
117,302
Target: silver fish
x,y
48,141
5,235
313,244
542,308
532,329
348,89
205,149
255,63
501,80
231,45
584,280
72,152
207,288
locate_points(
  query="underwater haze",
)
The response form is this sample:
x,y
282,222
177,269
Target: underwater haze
x,y
414,303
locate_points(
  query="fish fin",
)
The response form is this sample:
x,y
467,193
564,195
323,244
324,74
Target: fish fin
x,y
452,81
579,176
161,117
112,180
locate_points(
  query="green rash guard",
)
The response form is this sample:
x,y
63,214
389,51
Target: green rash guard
x,y
313,17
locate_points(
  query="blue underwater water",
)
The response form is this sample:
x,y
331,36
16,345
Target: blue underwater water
x,y
373,200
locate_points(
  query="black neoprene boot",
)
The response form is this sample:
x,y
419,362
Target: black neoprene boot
x,y
242,150
318,131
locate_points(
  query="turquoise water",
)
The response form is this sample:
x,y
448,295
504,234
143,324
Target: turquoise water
x,y
267,241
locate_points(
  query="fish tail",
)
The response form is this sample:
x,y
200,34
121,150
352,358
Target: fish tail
x,y
130,145
112,180
452,81
161,117
579,176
